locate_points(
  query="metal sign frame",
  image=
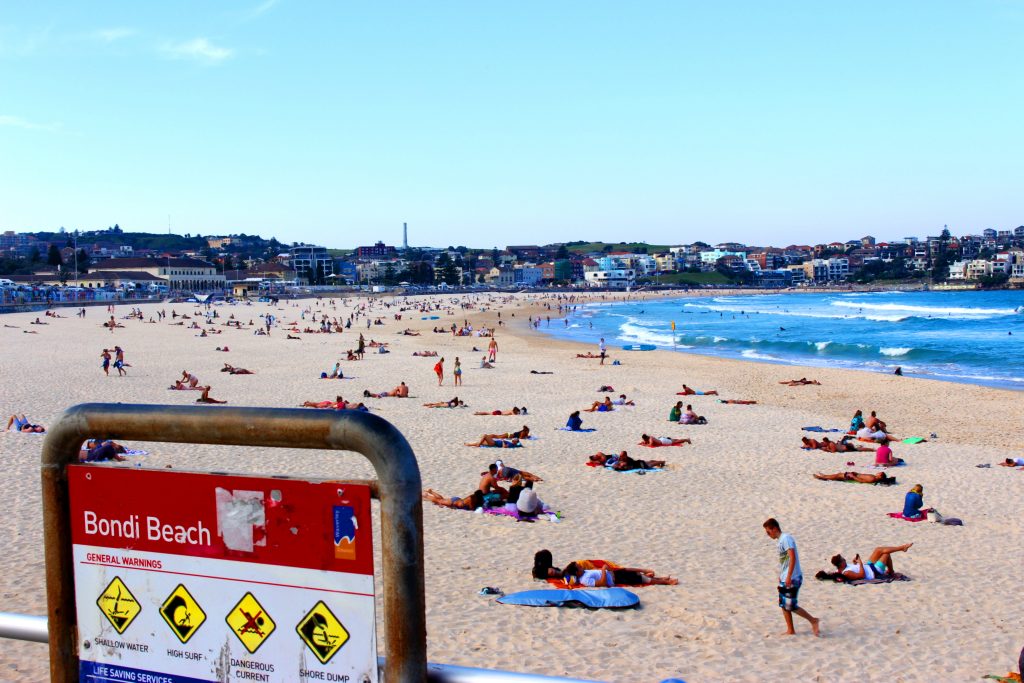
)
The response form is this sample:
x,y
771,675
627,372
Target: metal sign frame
x,y
398,487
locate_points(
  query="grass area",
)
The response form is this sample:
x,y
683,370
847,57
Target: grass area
x,y
617,246
713,278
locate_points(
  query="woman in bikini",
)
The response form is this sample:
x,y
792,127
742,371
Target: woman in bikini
x,y
471,502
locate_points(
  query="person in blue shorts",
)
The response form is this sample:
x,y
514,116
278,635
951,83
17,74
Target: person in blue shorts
x,y
790,578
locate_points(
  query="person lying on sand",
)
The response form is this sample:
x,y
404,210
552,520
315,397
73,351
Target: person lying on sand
x,y
471,502
515,411
687,391
427,354
623,401
401,391
1012,462
622,461
96,450
453,403
878,566
337,404
205,397
737,402
604,406
588,354
607,578
869,434
21,424
407,333
826,444
523,433
658,441
236,371
853,476
505,473
544,568
490,441
800,382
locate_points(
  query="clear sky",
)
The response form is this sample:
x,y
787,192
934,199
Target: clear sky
x,y
494,123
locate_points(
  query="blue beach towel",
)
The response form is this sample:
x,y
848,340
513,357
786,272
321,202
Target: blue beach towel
x,y
817,429
597,598
566,429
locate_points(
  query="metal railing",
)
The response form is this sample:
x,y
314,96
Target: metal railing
x,y
33,628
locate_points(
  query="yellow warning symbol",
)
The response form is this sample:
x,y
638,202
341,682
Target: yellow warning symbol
x,y
250,622
182,613
321,631
118,605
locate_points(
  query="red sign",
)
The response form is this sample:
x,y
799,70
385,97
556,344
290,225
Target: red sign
x,y
312,525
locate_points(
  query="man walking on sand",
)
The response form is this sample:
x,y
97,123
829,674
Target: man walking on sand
x,y
790,578
603,349
439,371
492,349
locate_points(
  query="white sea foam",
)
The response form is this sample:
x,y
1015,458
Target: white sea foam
x,y
754,355
927,310
895,350
821,346
719,340
637,333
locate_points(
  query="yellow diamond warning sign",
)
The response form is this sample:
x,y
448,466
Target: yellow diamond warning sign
x,y
118,605
250,622
321,631
182,613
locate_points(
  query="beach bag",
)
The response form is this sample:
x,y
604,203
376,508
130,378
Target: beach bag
x,y
934,516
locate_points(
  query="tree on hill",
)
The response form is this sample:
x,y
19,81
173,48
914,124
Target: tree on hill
x,y
53,256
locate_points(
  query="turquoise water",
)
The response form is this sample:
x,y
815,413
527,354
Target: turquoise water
x,y
974,337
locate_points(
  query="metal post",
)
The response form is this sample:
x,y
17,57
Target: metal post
x,y
379,441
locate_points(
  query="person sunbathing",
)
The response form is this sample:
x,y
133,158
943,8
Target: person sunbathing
x,y
98,450
454,403
623,401
492,441
622,462
428,354
841,446
604,577
878,566
523,433
485,365
658,441
869,434
337,404
737,402
879,478
205,397
515,411
800,382
689,417
872,422
687,391
231,369
544,568
471,502
588,354
21,424
505,473
604,406
401,391
407,333
1012,462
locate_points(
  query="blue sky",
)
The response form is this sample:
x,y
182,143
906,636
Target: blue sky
x,y
490,123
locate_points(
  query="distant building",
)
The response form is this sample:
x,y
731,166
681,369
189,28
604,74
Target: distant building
x,y
186,274
616,278
310,263
377,251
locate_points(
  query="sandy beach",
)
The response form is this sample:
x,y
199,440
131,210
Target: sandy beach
x,y
700,520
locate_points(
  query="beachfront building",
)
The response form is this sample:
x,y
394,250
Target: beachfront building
x,y
528,276
181,274
377,251
827,270
311,264
614,278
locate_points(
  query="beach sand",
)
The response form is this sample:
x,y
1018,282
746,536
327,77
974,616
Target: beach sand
x,y
700,520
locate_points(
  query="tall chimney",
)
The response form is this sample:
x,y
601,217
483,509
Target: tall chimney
x,y
405,236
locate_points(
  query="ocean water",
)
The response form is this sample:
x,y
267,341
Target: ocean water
x,y
963,336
